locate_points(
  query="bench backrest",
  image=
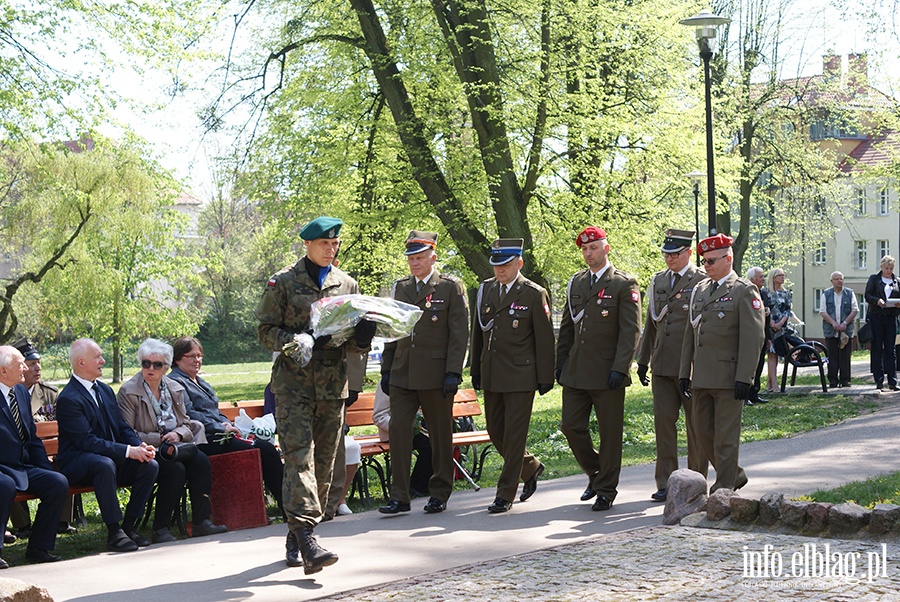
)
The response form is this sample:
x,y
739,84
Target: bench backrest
x,y
253,408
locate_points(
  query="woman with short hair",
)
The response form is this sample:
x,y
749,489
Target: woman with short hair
x,y
883,298
154,406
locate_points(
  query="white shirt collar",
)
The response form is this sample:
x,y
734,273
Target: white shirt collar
x,y
427,278
4,390
602,271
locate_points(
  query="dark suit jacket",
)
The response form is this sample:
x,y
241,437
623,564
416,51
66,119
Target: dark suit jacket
x,y
81,430
438,342
16,455
875,291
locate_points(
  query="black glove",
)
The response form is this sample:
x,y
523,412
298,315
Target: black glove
x,y
352,396
451,383
364,332
615,380
476,382
385,383
642,374
685,387
558,374
321,341
742,390
544,388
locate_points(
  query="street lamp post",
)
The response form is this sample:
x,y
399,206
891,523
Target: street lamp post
x,y
705,23
695,177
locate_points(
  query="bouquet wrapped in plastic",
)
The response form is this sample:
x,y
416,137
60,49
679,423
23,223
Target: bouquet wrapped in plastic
x,y
338,316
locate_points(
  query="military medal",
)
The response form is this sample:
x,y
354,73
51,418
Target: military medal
x,y
487,309
512,308
678,296
515,324
604,313
428,304
600,296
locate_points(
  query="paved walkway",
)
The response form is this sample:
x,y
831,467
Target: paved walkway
x,y
551,547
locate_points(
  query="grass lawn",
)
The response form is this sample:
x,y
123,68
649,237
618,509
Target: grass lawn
x,y
784,416
878,490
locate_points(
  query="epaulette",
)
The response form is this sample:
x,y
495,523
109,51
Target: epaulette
x,y
449,277
533,285
48,386
489,280
276,275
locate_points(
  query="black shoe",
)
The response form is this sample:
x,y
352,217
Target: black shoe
x,y
162,536
846,384
499,506
879,386
747,402
37,555
141,541
893,387
9,538
741,484
292,550
315,557
588,492
3,564
23,532
659,496
530,485
435,505
206,527
119,542
759,400
64,528
602,503
393,507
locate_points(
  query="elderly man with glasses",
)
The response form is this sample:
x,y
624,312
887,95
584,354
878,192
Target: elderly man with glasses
x,y
660,348
720,351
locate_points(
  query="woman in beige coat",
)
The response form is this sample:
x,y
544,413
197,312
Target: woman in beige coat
x,y
153,405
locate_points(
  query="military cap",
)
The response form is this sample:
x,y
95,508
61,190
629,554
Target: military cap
x,y
590,234
719,241
504,250
419,241
322,227
677,240
27,349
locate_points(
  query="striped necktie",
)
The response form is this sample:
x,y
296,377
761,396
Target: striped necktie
x,y
17,417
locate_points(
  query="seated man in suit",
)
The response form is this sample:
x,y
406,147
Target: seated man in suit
x,y
97,447
23,461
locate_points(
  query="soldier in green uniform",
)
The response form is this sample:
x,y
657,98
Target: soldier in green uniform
x,y
512,356
308,399
600,329
423,371
668,297
720,350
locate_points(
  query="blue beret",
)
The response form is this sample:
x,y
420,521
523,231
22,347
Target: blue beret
x,y
322,227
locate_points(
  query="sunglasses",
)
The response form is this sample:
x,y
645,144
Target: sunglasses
x,y
156,365
712,260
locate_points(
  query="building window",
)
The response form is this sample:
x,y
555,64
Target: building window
x,y
817,296
884,248
884,201
819,255
859,255
860,201
863,306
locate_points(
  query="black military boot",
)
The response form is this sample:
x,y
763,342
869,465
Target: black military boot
x,y
315,557
292,550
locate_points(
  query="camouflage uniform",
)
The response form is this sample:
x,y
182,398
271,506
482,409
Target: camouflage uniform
x,y
309,399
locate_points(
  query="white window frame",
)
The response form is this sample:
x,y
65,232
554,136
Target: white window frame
x,y
860,208
820,255
860,254
884,201
817,299
884,248
863,307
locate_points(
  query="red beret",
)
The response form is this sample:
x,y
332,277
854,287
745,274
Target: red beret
x,y
719,241
590,234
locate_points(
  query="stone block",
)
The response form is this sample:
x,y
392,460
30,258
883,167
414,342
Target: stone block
x,y
848,518
14,590
770,508
817,516
718,506
794,514
686,495
744,510
885,518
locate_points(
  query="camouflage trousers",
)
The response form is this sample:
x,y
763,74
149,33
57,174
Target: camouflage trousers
x,y
308,433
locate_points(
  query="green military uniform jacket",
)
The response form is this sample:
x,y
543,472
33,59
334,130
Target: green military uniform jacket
x,y
724,334
667,313
512,343
43,395
600,329
438,342
284,312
